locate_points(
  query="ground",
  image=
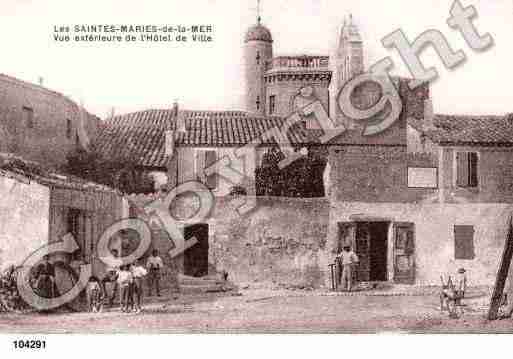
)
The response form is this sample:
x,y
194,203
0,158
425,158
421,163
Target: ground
x,y
271,311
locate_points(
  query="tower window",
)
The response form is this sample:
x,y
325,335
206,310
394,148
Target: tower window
x,y
272,104
68,128
258,103
28,117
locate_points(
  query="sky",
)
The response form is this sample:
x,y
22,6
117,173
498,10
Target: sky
x,y
131,77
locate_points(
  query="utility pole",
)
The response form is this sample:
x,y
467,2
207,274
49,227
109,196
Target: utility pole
x,y
502,274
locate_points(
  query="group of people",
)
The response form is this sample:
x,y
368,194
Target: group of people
x,y
127,281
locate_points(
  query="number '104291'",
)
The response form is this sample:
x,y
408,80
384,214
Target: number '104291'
x,y
29,344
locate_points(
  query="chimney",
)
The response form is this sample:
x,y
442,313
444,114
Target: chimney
x,y
40,80
178,118
428,122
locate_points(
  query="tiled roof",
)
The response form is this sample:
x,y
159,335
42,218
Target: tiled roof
x,y
32,171
469,130
140,136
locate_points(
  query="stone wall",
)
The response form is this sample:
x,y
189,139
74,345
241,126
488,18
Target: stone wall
x,y
281,242
495,175
48,141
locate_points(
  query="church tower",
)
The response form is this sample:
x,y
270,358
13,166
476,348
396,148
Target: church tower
x,y
349,57
258,49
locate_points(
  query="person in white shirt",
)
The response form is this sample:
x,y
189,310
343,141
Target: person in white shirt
x,y
154,266
125,281
347,259
138,273
113,266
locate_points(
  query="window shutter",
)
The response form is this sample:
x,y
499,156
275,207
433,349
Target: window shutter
x,y
464,242
462,169
472,164
200,165
210,159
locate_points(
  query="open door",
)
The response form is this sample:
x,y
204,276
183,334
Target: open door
x,y
404,253
196,257
358,237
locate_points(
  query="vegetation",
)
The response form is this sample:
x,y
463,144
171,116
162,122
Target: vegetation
x,y
121,174
302,178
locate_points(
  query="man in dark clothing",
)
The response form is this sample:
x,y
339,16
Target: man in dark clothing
x,y
45,278
154,265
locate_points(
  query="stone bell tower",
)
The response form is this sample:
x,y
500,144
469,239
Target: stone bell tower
x,y
349,56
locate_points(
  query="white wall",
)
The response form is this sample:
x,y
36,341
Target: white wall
x,y
434,235
24,213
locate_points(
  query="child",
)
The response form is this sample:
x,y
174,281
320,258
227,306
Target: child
x,y
94,295
125,280
138,273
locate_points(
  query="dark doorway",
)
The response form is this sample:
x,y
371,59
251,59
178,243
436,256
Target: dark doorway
x,y
196,257
378,251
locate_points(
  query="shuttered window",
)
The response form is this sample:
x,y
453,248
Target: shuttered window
x,y
464,242
205,159
272,104
466,169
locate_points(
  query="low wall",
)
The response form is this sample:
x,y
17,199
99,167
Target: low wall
x,y
282,241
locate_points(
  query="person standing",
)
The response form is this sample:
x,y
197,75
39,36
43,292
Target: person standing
x,y
45,279
111,277
154,265
125,280
138,273
347,259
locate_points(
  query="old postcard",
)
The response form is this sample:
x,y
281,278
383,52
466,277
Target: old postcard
x,y
255,167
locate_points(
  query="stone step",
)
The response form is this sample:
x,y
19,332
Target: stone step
x,y
194,282
192,289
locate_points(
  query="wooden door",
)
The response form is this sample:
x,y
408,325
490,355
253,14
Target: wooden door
x,y
362,250
404,253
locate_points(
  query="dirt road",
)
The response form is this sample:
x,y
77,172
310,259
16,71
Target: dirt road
x,y
273,312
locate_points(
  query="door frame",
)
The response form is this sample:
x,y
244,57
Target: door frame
x,y
413,270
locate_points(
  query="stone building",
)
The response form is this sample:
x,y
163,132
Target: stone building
x,y
424,197
40,206
41,125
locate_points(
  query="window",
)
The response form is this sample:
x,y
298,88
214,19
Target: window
x,y
464,242
68,128
205,159
466,169
258,58
272,104
75,224
258,103
28,117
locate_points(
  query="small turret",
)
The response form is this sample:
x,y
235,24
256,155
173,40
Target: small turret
x,y
349,58
258,50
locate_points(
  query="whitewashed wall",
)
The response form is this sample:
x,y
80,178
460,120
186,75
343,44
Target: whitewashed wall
x,y
24,214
